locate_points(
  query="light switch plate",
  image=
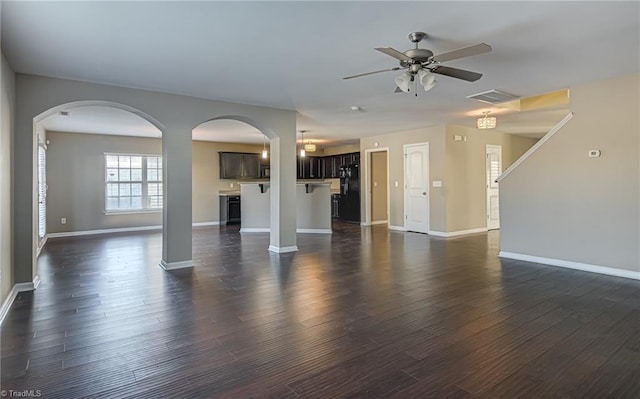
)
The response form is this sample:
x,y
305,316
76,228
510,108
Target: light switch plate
x,y
436,183
594,153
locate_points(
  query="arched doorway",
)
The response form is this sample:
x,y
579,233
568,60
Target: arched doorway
x,y
103,171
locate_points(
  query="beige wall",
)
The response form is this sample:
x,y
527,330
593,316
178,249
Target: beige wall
x,y
395,142
378,185
342,149
561,204
460,204
206,181
465,182
75,176
6,163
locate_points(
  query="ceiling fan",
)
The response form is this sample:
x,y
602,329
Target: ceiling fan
x,y
423,64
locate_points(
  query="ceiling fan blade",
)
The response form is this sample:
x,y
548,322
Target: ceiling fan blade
x,y
463,52
457,73
371,73
394,53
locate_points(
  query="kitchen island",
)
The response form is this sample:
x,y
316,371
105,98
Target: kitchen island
x,y
313,207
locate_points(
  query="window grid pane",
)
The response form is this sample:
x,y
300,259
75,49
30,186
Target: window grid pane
x,y
124,182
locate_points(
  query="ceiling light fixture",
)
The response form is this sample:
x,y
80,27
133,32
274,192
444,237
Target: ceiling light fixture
x,y
408,80
303,153
486,122
265,154
309,147
355,108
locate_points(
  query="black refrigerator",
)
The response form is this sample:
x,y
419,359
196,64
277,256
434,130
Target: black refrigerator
x,y
349,202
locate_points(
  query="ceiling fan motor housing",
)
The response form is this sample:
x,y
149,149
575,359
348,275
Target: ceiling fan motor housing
x,y
417,55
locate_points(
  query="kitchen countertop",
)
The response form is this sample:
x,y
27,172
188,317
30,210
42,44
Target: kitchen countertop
x,y
228,193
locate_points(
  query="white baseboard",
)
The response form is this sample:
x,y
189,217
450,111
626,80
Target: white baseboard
x,y
15,290
6,305
199,224
314,231
282,250
42,244
102,231
255,230
456,233
611,271
268,230
176,265
397,228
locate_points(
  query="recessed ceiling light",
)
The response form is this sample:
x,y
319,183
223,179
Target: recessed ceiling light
x,y
355,108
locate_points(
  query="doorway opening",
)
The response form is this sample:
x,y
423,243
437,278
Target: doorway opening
x,y
377,186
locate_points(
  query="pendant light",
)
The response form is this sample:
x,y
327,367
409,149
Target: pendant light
x,y
486,122
303,153
265,154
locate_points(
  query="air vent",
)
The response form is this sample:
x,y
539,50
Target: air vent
x,y
493,97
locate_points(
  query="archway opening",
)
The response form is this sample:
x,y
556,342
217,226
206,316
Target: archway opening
x,y
231,155
98,169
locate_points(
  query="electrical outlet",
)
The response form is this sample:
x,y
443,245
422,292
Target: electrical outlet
x,y
63,220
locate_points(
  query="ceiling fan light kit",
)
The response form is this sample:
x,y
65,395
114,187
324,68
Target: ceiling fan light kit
x,y
424,64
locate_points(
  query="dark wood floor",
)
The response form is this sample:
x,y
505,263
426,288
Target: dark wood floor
x,y
364,313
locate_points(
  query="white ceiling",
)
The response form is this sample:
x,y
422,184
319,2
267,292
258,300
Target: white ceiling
x,y
293,55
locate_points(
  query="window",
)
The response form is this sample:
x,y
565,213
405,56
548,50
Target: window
x,y
133,182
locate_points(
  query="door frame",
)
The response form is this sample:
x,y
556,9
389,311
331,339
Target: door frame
x,y
367,185
406,189
486,193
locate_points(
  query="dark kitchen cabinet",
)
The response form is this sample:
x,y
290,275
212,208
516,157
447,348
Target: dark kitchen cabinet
x,y
309,168
237,165
331,164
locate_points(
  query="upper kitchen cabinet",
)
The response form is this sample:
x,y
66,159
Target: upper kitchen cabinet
x,y
309,168
236,165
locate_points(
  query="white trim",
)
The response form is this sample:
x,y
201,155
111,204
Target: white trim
x,y
132,212
103,231
281,250
537,145
42,244
365,224
268,230
6,305
15,290
176,265
457,233
611,271
398,228
255,230
379,222
198,224
317,231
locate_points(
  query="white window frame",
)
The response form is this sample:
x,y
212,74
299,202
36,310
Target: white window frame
x,y
145,196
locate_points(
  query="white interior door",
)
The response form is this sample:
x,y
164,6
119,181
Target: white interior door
x,y
494,169
416,193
